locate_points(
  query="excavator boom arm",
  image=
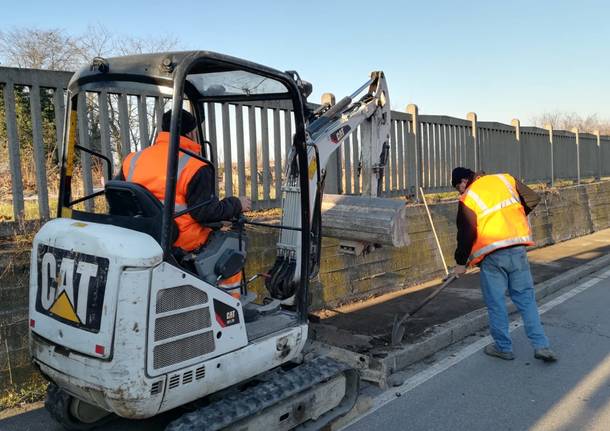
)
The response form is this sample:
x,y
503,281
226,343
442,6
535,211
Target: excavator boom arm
x,y
326,132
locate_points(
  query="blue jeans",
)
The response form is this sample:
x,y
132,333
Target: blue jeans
x,y
503,269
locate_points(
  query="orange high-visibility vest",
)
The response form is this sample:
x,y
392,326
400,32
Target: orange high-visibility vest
x,y
148,168
501,219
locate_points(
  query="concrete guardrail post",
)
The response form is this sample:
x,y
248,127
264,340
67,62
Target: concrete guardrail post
x,y
415,164
13,151
598,174
577,136
517,125
549,127
332,183
472,117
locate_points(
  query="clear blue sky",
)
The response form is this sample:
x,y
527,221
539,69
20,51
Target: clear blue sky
x,y
500,59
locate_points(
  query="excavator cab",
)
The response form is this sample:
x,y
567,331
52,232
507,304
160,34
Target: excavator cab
x,y
205,84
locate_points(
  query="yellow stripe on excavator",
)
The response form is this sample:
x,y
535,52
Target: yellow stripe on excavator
x,y
313,167
71,140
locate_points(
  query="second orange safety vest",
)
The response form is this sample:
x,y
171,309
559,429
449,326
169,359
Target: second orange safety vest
x,y
148,168
501,219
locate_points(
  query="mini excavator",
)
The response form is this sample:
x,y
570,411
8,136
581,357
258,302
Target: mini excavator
x,y
121,325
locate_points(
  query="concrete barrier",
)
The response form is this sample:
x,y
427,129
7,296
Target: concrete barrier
x,y
14,273
562,214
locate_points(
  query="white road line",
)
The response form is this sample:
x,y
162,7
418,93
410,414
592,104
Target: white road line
x,y
423,376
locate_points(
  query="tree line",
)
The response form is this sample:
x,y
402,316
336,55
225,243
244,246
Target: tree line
x,y
56,49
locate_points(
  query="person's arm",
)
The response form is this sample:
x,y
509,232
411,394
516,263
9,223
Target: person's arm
x,y
466,222
201,188
529,198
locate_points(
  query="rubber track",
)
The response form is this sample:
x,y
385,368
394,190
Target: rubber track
x,y
278,386
57,404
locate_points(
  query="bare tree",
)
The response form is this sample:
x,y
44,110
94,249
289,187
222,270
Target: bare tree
x,y
38,49
55,49
568,120
132,45
96,41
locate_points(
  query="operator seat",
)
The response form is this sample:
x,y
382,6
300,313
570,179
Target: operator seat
x,y
134,207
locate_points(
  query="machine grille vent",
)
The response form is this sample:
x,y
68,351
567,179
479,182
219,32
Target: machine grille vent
x,y
183,323
187,377
200,373
174,381
179,297
156,387
182,350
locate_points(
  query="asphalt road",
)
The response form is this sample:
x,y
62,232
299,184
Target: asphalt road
x,y
468,390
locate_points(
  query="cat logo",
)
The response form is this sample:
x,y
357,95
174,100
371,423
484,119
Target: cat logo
x,y
71,286
339,134
225,314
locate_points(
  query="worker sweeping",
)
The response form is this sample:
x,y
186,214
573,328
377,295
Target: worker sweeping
x,y
493,231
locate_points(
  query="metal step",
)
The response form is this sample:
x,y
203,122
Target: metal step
x,y
282,396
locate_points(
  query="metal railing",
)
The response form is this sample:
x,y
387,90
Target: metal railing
x,y
251,142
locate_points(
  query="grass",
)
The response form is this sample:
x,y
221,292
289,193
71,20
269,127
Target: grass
x,y
32,390
439,197
30,208
262,215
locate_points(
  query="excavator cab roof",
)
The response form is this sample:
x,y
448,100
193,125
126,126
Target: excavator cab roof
x,y
208,76
197,77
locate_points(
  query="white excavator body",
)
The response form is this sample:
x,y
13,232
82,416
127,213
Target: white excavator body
x,y
151,336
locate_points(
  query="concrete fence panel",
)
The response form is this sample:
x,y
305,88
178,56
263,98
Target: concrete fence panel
x,y
537,155
397,180
605,156
250,143
27,85
444,142
565,155
588,155
498,148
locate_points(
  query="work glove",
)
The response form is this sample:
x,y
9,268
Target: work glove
x,y
457,271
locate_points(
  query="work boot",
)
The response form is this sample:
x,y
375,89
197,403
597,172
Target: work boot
x,y
546,354
492,350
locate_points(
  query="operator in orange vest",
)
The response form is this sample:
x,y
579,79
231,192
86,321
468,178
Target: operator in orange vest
x,y
195,183
493,231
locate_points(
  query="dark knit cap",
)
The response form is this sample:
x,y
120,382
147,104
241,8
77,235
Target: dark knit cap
x,y
459,174
187,122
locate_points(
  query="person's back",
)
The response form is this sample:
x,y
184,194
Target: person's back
x,y
195,184
149,169
500,216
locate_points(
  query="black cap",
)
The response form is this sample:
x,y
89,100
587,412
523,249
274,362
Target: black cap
x,y
459,173
187,123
